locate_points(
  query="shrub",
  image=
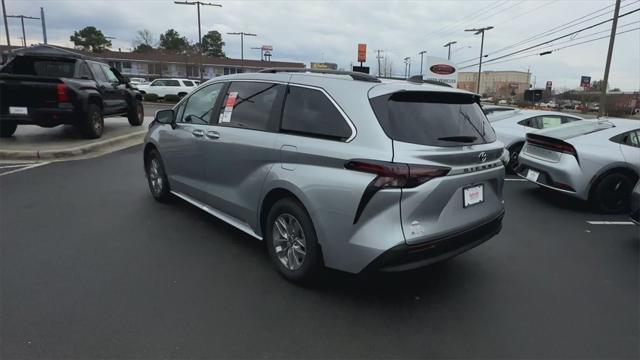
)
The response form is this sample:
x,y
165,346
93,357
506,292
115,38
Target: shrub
x,y
171,98
151,97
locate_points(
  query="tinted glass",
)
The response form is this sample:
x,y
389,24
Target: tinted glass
x,y
96,69
83,71
310,112
187,83
200,105
171,83
248,105
429,118
158,83
41,67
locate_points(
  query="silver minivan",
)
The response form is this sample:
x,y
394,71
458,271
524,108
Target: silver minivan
x,y
334,169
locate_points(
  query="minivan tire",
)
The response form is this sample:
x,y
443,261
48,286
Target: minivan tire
x,y
612,193
157,177
92,125
136,114
7,128
312,261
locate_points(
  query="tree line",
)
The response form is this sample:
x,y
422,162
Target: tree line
x,y
92,39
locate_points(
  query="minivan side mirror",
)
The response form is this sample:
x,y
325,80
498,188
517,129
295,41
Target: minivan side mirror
x,y
165,116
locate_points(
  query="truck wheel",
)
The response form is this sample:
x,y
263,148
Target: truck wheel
x,y
93,123
136,115
7,128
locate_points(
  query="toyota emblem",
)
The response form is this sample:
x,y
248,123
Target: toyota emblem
x,y
483,156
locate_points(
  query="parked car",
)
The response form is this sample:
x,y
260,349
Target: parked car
x,y
137,81
50,90
634,214
511,127
594,160
334,169
163,87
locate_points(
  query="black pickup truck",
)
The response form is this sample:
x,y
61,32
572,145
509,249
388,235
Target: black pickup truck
x,y
50,90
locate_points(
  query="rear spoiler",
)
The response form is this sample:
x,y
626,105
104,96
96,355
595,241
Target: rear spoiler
x,y
552,144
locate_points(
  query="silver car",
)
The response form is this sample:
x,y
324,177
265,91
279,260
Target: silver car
x,y
334,169
595,160
511,127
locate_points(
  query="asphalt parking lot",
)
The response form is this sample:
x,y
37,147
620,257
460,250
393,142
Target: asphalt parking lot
x,y
92,267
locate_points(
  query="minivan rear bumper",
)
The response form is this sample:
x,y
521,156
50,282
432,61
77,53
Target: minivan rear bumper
x,y
405,257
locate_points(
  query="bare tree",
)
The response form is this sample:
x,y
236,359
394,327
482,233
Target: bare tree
x,y
144,40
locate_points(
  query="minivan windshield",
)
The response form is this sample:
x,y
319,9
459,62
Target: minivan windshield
x,y
433,118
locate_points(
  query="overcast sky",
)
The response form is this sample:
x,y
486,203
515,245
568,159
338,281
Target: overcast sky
x,y
307,31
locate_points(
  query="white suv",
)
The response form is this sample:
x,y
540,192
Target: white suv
x,y
163,87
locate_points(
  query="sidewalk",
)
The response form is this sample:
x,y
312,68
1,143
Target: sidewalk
x,y
65,142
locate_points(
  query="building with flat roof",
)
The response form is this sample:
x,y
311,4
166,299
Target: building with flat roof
x,y
499,84
158,64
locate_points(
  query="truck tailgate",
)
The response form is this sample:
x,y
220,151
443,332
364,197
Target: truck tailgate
x,y
27,91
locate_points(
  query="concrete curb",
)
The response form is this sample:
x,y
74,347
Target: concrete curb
x,y
76,151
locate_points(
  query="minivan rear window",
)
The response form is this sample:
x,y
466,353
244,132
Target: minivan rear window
x,y
433,118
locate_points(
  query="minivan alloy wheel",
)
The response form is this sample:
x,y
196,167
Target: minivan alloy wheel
x,y
289,241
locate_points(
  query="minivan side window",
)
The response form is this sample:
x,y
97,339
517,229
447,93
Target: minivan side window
x,y
310,112
199,105
248,105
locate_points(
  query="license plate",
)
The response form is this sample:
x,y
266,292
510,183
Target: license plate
x,y
473,195
16,110
532,175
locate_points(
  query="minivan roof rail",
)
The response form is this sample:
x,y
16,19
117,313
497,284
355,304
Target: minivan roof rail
x,y
419,80
354,75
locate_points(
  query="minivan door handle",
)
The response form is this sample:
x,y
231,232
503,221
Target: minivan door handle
x,y
212,134
198,133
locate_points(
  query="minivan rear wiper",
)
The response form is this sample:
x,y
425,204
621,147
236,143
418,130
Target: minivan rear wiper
x,y
460,139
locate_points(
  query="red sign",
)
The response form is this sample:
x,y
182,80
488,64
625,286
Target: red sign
x,y
442,69
362,52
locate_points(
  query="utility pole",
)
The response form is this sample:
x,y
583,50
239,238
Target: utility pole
x,y
198,3
379,57
261,52
6,25
22,17
421,53
407,67
242,35
44,25
480,31
603,96
448,45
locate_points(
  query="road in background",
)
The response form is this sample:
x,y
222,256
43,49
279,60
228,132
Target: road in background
x,y
93,267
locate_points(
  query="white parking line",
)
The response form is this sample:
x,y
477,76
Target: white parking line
x,y
610,222
507,179
13,166
24,168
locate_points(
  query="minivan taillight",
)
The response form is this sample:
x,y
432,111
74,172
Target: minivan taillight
x,y
552,144
392,175
61,90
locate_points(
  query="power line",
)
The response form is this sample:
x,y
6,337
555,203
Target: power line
x,y
491,62
447,29
527,12
560,28
558,38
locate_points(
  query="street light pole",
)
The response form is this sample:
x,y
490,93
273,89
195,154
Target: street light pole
x,y
6,25
22,17
480,31
603,96
198,3
448,45
242,35
421,53
379,57
407,65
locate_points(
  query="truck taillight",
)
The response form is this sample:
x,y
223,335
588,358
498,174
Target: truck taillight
x,y
61,90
